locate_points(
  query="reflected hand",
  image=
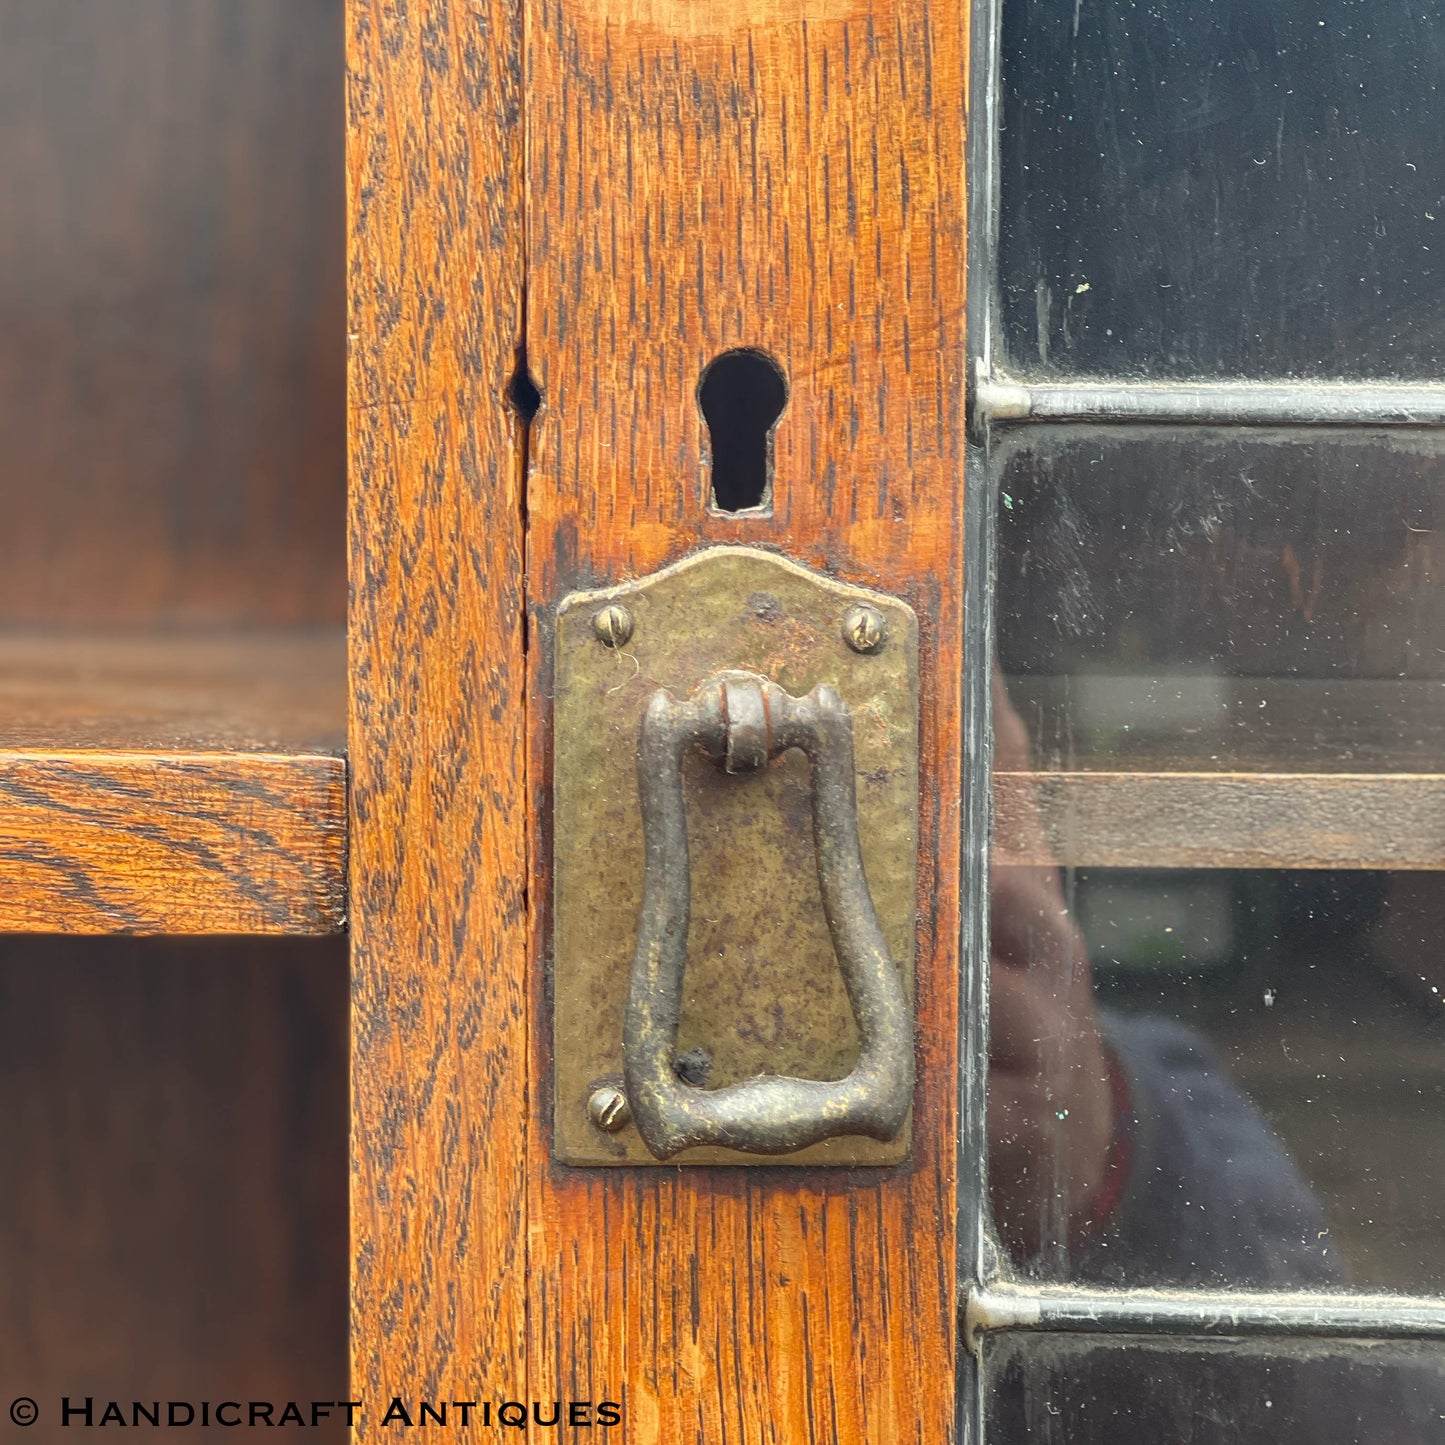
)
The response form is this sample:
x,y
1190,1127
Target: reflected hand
x,y
1051,1106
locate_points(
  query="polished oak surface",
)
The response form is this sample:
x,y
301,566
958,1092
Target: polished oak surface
x,y
186,784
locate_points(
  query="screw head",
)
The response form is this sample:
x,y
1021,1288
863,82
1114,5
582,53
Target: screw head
x,y
608,1109
863,628
613,625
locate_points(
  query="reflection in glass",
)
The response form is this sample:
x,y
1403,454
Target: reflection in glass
x,y
1271,1046
1218,1077
1228,188
1061,1390
1208,600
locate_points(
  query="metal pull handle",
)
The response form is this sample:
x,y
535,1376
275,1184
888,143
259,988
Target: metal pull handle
x,y
742,721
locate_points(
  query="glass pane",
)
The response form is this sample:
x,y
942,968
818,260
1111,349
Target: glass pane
x,y
1230,188
1218,887
1206,1078
1218,599
1053,1390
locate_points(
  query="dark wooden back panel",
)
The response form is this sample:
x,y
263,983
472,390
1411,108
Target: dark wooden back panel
x,y
173,1221
172,343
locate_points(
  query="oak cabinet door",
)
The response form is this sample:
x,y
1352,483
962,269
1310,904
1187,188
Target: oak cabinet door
x,y
590,207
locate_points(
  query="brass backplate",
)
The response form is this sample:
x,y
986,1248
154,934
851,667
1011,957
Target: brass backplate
x,y
763,992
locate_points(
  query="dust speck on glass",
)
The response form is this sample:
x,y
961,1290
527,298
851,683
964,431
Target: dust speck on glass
x,y
1215,964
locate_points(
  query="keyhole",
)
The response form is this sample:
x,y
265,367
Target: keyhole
x,y
742,394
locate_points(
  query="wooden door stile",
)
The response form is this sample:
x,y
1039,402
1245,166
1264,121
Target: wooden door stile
x,y
697,178
438,697
787,177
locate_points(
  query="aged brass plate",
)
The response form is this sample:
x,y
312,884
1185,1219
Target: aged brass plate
x,y
763,992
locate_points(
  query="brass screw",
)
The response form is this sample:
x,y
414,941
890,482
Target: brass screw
x,y
608,1109
613,625
863,628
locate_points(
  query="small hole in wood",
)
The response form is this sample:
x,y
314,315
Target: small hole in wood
x,y
522,392
742,394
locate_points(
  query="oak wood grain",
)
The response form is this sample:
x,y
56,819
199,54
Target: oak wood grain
x,y
785,177
440,1067
113,842
185,784
1219,820
172,1113
231,691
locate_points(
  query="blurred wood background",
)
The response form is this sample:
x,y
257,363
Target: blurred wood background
x,y
171,312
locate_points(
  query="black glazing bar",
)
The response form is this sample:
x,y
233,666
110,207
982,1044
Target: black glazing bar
x,y
984,141
1000,400
973,1239
1302,1314
980,504
980,500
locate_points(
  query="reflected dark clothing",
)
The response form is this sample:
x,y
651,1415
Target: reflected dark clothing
x,y
1211,1201
1211,1198
1225,190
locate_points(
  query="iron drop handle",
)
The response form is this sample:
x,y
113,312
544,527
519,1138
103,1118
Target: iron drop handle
x,y
743,721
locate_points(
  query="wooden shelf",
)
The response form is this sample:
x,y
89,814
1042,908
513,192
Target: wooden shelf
x,y
192,783
1225,773
196,783
1220,820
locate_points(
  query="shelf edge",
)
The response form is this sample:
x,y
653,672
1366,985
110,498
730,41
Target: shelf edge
x,y
113,842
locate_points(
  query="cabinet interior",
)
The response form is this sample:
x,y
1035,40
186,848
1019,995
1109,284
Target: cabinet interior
x,y
172,698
